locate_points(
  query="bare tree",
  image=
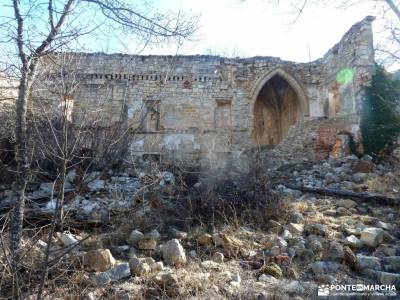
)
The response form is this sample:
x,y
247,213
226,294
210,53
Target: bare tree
x,y
36,29
61,133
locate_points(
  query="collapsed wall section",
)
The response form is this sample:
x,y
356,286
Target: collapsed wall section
x,y
348,67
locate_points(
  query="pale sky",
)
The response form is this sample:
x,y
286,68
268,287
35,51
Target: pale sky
x,y
244,28
259,27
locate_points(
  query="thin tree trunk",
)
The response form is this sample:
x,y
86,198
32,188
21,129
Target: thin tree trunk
x,y
59,212
17,217
22,165
23,170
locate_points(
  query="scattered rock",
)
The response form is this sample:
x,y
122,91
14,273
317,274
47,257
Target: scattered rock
x,y
353,241
147,243
305,255
275,226
141,266
98,260
170,282
384,225
231,245
330,212
177,234
193,254
90,296
173,253
365,262
372,236
325,267
154,234
96,185
210,265
218,257
236,277
335,250
268,278
296,228
342,211
350,258
216,238
132,252
281,243
67,239
317,229
71,175
292,272
330,178
362,166
274,251
387,278
296,217
293,287
358,177
392,264
272,269
100,279
119,272
47,188
142,269
316,246
286,234
347,203
205,239
157,266
167,178
135,237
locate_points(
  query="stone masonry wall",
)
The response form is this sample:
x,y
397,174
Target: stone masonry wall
x,y
203,106
8,94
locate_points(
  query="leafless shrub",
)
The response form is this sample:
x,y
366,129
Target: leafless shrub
x,y
238,201
210,199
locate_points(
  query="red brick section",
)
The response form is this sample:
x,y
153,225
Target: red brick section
x,y
325,141
363,167
328,142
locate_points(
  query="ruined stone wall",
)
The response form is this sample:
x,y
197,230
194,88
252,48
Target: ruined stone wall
x,y
8,95
354,52
204,106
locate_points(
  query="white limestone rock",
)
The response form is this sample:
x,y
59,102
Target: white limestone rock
x,y
372,236
173,253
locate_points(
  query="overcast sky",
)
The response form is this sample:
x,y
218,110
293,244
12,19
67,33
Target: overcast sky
x,y
257,27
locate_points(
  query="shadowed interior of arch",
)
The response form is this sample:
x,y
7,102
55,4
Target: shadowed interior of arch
x,y
276,109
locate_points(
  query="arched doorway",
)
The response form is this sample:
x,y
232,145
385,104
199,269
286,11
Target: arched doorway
x,y
277,106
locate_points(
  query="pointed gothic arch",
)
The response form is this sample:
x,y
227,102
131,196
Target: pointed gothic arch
x,y
278,101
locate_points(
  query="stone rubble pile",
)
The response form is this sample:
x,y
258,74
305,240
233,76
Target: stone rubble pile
x,y
311,248
324,240
94,198
348,173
